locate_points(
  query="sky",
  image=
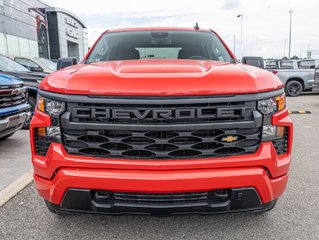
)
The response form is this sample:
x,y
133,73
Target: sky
x,y
265,23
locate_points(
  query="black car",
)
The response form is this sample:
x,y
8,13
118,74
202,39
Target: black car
x,y
30,79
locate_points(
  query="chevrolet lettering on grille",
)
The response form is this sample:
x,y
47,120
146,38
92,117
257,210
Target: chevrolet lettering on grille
x,y
102,114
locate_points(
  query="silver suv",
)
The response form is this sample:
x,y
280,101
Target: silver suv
x,y
297,75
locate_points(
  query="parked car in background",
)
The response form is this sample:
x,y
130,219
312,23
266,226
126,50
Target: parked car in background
x,y
315,86
30,79
14,109
297,75
36,64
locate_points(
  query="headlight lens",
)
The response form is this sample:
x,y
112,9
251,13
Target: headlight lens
x,y
272,105
52,107
268,107
44,136
271,132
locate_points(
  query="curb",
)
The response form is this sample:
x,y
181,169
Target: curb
x,y
14,188
299,112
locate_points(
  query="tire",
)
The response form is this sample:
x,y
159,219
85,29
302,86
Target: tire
x,y
54,209
294,88
32,102
5,137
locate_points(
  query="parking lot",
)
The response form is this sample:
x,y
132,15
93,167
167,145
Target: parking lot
x,y
296,215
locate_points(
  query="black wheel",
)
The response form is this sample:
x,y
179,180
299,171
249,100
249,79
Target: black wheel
x,y
32,102
5,137
293,88
55,209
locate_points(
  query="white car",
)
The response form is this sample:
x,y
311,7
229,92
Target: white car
x,y
36,64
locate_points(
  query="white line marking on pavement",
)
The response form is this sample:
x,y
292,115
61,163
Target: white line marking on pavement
x,y
14,188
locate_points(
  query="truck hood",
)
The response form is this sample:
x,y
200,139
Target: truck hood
x,y
6,80
29,76
160,78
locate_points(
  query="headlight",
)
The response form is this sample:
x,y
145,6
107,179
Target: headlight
x,y
276,134
51,107
268,107
272,105
44,136
271,132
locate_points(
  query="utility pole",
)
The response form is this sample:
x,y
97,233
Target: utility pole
x,y
290,12
285,48
234,44
241,16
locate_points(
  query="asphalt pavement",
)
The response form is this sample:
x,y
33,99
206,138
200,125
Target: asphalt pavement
x,y
296,215
15,158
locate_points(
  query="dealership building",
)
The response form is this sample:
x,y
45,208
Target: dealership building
x,y
33,28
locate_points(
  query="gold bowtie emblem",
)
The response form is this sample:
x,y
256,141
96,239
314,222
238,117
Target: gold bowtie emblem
x,y
229,139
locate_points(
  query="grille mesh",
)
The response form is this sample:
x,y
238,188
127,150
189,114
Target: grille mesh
x,y
12,97
161,144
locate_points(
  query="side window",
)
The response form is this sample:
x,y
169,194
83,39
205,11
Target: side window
x,y
27,63
101,52
254,62
271,65
306,64
287,65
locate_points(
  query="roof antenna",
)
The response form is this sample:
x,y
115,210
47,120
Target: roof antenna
x,y
196,27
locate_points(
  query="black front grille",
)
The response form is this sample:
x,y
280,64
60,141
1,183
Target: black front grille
x,y
171,199
161,144
12,97
143,198
161,128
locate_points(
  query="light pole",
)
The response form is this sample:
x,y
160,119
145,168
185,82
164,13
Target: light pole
x,y
290,12
241,16
285,48
234,44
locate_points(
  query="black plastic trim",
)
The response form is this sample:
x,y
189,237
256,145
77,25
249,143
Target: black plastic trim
x,y
160,100
240,200
67,124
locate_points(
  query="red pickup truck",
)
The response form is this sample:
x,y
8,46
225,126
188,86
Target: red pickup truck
x,y
161,121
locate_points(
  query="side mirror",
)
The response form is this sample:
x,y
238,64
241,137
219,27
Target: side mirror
x,y
66,62
254,61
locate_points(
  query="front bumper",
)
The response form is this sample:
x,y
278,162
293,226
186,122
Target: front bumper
x,y
315,87
13,121
58,172
231,200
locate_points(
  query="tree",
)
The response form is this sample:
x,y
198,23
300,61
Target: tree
x,y
295,57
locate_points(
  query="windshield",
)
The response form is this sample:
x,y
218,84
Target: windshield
x,y
47,63
159,45
8,65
